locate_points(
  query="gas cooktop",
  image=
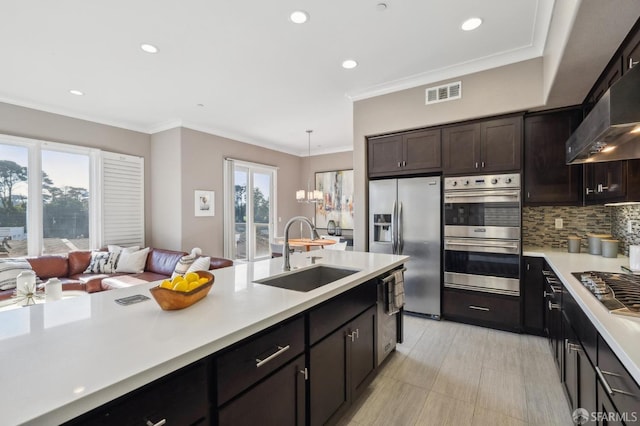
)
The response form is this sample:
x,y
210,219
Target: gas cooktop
x,y
620,293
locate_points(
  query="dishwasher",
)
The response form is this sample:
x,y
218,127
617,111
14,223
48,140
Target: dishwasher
x,y
389,324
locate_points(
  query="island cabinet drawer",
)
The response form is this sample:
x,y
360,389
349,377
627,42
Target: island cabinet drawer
x,y
258,356
180,398
617,382
341,309
484,308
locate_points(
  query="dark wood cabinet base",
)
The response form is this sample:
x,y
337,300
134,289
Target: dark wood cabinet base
x,y
486,309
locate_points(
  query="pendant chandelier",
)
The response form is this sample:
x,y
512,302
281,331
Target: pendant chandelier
x,y
309,195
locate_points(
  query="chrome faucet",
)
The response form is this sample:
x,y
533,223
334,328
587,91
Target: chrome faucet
x,y
285,251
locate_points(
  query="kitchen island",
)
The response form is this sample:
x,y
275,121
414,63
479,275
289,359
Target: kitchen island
x,y
68,357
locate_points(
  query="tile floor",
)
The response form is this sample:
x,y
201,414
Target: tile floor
x,y
447,373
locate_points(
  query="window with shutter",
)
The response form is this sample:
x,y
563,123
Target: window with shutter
x,y
122,199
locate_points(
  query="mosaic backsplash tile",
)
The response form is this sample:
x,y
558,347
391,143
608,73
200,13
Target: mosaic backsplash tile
x,y
538,224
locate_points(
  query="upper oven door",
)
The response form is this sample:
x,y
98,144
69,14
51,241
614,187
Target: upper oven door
x,y
482,214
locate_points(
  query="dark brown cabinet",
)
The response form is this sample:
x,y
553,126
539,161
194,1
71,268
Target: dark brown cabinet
x,y
474,307
340,365
532,291
181,398
406,153
605,182
278,400
547,178
483,147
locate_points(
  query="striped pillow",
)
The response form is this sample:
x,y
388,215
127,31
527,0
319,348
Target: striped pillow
x,y
183,265
9,271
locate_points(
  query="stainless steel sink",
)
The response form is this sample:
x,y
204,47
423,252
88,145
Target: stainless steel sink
x,y
307,279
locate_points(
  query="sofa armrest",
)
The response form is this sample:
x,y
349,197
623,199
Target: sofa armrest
x,y
220,262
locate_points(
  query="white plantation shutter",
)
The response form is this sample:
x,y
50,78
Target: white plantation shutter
x,y
122,199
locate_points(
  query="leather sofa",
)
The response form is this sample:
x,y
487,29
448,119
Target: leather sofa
x,y
70,269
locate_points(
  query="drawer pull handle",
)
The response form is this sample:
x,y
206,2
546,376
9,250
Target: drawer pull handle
x,y
604,381
160,423
280,351
614,390
305,373
553,306
479,308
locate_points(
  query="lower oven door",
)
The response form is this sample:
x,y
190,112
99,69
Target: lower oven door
x,y
491,266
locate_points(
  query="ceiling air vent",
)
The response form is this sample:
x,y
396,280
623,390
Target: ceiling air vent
x,y
447,92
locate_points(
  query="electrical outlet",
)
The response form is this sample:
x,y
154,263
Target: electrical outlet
x,y
559,223
630,224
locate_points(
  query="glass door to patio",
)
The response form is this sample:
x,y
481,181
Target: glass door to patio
x,y
253,192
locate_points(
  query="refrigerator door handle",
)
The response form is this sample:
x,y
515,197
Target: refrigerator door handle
x,y
394,236
400,239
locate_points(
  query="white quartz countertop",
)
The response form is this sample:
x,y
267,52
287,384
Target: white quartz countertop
x,y
622,333
64,358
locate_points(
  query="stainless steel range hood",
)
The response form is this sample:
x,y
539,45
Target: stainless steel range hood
x,y
611,131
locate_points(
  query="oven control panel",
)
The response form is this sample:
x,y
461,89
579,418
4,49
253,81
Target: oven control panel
x,y
510,180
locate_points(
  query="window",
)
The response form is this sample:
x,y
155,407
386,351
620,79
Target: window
x,y
85,198
249,220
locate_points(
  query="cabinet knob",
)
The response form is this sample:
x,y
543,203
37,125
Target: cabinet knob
x,y
494,180
589,191
476,164
483,164
632,63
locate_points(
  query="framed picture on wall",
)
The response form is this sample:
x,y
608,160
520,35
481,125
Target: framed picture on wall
x,y
204,203
337,203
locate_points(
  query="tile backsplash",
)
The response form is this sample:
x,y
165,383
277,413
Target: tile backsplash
x,y
538,225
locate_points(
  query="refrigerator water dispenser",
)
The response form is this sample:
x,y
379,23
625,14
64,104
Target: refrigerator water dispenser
x,y
382,228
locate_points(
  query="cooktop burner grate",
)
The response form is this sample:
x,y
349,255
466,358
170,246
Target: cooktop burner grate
x,y
620,293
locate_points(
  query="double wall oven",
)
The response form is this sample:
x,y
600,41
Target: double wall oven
x,y
482,235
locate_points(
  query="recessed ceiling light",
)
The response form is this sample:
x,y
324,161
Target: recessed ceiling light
x,y
381,7
471,24
76,92
349,64
149,48
299,17
635,130
200,105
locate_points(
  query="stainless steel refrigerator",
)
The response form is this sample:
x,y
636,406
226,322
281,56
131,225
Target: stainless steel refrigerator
x,y
404,218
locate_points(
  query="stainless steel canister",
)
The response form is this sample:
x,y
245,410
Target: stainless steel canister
x,y
573,244
595,242
610,248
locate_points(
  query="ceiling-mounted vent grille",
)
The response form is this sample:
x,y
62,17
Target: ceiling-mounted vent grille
x,y
447,92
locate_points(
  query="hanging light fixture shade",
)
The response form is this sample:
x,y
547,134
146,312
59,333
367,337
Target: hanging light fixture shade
x,y
309,195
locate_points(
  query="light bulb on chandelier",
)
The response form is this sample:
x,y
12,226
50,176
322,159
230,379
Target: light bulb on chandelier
x,y
309,195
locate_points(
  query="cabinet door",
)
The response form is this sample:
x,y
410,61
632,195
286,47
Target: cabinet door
x,y
362,353
608,415
501,145
631,53
533,289
625,392
385,155
570,369
461,149
279,400
587,384
421,151
605,182
327,377
547,179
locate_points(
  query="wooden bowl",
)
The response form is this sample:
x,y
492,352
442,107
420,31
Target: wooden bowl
x,y
170,300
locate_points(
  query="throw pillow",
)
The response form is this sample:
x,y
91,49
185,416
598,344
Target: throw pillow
x,y
9,271
183,265
102,262
117,249
200,264
132,262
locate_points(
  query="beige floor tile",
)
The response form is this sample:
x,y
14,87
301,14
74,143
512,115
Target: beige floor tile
x,y
471,335
531,343
504,339
458,378
503,357
420,367
391,403
502,392
484,417
444,411
539,368
546,404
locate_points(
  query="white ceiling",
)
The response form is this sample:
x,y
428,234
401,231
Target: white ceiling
x,y
261,78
